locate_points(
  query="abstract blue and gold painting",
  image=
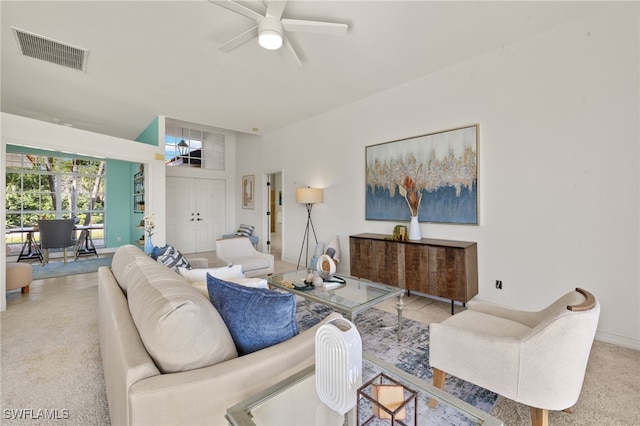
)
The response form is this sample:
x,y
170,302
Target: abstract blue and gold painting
x,y
433,176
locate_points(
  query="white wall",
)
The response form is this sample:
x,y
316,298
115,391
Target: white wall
x,y
559,186
227,175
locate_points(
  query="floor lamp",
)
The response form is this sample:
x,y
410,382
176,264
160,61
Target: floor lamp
x,y
308,197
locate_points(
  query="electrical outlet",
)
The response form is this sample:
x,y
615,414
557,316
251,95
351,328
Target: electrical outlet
x,y
499,284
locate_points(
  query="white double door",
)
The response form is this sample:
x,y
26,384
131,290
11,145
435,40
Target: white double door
x,y
196,210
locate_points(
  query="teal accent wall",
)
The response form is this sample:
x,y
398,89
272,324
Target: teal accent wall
x,y
119,190
150,135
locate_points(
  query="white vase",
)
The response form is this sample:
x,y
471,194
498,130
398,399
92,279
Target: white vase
x,y
414,229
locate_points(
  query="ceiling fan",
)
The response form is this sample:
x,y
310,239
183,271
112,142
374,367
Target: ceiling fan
x,y
271,28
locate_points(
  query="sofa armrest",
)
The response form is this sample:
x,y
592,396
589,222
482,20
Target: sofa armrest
x,y
198,262
202,396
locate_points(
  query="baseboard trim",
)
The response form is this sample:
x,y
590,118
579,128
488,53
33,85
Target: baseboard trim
x,y
616,339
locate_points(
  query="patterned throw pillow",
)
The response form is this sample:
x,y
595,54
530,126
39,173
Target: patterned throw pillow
x,y
157,251
256,317
245,230
173,259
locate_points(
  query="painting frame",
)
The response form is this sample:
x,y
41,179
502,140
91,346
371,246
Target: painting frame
x,y
433,176
248,189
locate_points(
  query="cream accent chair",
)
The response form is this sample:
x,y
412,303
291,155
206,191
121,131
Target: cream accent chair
x,y
240,251
535,358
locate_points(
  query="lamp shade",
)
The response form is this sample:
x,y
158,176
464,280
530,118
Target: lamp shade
x,y
309,195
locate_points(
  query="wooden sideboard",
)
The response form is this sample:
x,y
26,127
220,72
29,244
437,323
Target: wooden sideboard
x,y
442,268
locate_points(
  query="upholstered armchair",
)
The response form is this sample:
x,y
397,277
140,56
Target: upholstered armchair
x,y
57,233
535,358
240,251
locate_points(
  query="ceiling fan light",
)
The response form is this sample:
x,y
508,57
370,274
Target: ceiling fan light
x,y
270,39
270,32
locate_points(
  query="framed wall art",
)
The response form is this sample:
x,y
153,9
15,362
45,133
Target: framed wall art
x,y
432,176
248,191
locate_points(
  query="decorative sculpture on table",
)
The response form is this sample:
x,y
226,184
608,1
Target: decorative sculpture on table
x,y
326,263
399,233
338,364
388,399
325,267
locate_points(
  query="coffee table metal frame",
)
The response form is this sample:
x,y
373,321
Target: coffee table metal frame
x,y
241,413
338,296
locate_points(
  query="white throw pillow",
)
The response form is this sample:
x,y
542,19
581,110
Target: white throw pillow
x,y
223,273
201,286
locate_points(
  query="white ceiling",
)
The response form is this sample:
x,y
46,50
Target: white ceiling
x,y
150,58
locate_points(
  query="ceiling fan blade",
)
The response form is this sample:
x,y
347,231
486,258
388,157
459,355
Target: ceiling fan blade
x,y
275,8
238,8
315,27
289,52
238,41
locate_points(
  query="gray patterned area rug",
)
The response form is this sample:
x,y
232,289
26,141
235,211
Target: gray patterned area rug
x,y
411,354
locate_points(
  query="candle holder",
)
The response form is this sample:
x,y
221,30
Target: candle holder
x,y
390,400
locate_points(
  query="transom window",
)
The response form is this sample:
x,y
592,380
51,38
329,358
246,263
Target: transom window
x,y
194,148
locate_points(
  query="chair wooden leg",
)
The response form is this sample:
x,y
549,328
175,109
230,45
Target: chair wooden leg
x,y
439,377
45,256
25,289
539,416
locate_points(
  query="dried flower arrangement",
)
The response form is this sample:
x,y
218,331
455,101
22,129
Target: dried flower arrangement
x,y
411,194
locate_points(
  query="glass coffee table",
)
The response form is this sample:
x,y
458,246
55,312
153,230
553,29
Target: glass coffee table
x,y
294,401
349,298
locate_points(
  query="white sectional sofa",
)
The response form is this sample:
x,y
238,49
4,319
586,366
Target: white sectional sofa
x,y
167,356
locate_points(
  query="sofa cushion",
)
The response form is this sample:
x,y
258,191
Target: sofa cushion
x,y
200,275
180,329
257,318
173,259
122,262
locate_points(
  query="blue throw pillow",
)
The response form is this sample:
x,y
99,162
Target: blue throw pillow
x,y
256,317
157,251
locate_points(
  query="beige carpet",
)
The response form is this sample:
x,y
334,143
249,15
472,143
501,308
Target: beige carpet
x,y
50,357
610,393
50,363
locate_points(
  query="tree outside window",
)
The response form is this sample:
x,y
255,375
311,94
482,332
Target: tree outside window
x,y
52,187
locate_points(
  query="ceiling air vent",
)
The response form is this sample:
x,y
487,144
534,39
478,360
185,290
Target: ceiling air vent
x,y
46,49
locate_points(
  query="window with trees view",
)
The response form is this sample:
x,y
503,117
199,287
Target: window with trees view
x,y
53,187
